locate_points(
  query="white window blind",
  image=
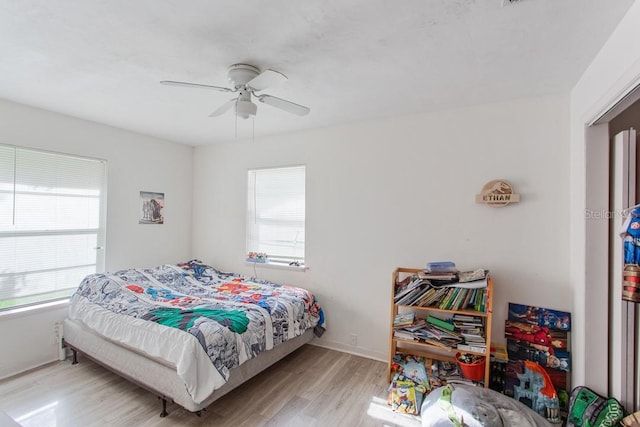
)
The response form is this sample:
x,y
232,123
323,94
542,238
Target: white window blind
x,y
51,224
276,212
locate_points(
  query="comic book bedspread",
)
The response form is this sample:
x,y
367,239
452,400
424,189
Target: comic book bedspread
x,y
232,317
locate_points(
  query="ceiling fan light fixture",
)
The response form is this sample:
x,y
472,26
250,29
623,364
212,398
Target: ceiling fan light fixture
x,y
245,109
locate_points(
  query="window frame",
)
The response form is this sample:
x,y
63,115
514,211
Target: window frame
x,y
61,295
277,259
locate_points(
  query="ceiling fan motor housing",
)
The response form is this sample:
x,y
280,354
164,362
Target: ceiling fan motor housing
x,y
241,74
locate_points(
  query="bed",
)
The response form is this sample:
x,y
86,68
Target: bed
x,y
188,332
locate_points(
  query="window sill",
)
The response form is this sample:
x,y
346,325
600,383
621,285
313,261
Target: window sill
x,y
34,309
277,266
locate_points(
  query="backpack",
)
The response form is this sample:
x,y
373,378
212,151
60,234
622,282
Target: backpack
x,y
588,409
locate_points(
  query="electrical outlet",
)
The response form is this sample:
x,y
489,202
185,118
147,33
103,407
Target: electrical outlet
x,y
57,332
354,340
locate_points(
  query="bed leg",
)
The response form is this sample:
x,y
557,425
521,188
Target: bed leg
x,y
75,356
199,413
164,412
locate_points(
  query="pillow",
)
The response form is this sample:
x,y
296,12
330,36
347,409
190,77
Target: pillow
x,y
447,407
476,407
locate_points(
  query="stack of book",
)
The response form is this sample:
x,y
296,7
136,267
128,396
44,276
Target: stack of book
x,y
471,328
441,273
430,296
432,330
441,333
407,292
422,292
460,298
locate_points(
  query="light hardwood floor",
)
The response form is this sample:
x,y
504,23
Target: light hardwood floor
x,y
313,386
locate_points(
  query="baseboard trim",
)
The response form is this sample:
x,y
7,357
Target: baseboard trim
x,y
356,351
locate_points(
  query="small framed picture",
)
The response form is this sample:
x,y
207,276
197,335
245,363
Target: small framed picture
x,y
151,208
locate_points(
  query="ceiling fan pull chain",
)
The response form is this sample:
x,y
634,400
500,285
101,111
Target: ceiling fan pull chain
x,y
235,117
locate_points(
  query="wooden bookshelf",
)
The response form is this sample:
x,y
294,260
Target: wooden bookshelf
x,y
427,350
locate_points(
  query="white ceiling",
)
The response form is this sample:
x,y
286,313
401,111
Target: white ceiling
x,y
348,60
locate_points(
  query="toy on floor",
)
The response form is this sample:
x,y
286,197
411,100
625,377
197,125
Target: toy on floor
x,y
536,386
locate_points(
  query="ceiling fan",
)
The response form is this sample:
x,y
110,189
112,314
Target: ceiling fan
x,y
247,80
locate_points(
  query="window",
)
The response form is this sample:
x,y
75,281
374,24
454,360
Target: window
x,y
276,213
51,224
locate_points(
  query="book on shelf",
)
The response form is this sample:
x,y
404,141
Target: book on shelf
x,y
446,298
404,319
460,296
477,284
473,331
425,296
432,298
473,348
451,297
467,318
438,282
467,324
418,324
430,334
472,337
417,295
441,335
442,276
452,277
411,296
440,322
444,332
473,275
414,284
481,301
405,335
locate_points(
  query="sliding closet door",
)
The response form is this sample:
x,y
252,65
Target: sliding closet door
x,y
622,333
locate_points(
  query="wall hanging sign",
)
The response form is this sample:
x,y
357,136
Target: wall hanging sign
x,y
497,193
151,208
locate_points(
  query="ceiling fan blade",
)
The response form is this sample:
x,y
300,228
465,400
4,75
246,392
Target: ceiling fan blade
x,y
266,79
195,85
224,108
285,105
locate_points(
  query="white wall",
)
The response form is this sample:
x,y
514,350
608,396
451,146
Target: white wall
x,y
135,162
401,192
615,69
